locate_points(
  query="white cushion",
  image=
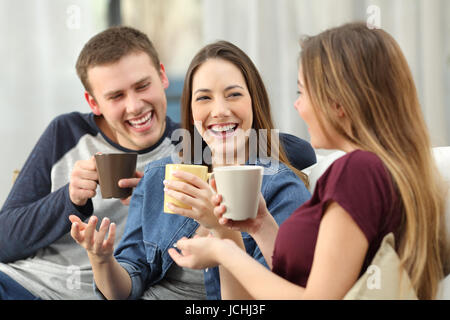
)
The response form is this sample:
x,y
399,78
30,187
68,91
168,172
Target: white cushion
x,y
316,170
382,279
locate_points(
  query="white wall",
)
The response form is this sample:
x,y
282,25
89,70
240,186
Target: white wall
x,y
269,31
40,42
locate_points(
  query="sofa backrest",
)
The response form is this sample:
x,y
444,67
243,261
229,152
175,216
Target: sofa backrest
x,y
441,156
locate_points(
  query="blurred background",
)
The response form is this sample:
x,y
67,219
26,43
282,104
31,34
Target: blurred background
x,y
41,40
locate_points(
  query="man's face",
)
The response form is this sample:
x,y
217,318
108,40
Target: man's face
x,y
130,95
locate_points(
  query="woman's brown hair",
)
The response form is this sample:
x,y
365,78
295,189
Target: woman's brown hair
x,y
365,72
262,118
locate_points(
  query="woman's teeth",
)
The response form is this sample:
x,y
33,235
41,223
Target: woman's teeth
x,y
141,122
224,128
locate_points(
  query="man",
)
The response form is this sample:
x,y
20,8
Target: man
x,y
125,88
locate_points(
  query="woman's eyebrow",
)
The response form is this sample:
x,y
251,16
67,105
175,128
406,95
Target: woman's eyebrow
x,y
233,87
226,89
202,90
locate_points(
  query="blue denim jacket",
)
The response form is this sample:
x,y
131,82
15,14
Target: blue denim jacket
x,y
150,232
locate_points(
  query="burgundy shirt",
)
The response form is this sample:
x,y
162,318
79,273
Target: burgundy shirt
x,y
360,183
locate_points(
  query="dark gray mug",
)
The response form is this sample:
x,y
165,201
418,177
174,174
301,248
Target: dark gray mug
x,y
112,167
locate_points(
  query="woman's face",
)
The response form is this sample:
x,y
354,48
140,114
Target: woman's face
x,y
222,109
320,139
304,108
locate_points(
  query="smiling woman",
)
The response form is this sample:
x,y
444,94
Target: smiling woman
x,y
221,108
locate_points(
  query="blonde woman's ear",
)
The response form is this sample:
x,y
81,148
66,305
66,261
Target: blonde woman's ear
x,y
339,110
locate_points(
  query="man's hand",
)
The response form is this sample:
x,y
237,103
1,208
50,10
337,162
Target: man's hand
x,y
83,181
130,183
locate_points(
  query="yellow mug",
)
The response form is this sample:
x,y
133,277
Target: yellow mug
x,y
198,170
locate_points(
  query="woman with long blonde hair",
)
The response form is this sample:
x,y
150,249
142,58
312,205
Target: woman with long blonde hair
x,y
356,94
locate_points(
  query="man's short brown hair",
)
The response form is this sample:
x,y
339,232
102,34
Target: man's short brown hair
x,y
110,46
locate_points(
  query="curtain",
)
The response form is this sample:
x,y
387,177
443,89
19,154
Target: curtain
x,y
269,31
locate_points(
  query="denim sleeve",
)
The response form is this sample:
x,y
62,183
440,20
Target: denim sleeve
x,y
284,192
130,252
136,283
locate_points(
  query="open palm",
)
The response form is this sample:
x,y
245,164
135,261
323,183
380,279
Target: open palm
x,y
86,235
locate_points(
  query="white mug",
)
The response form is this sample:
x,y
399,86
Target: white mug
x,y
239,187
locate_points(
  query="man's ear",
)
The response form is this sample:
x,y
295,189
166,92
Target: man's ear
x,y
163,76
92,103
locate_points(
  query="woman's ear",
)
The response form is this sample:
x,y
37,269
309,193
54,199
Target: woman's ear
x,y
340,112
92,103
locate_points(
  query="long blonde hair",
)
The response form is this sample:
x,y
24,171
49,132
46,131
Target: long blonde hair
x,y
364,72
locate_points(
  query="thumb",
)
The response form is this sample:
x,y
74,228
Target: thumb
x,y
180,244
131,182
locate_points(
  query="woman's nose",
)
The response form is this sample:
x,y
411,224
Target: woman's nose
x,y
220,109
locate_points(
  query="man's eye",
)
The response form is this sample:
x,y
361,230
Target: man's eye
x,y
116,97
144,86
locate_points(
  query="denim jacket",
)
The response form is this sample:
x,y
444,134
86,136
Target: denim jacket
x,y
150,232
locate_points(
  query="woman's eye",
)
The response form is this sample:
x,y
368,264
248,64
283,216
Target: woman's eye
x,y
200,98
235,94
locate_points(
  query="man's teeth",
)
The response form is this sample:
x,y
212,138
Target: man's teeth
x,y
219,128
139,123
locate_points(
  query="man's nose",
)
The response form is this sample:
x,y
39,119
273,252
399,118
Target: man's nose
x,y
134,105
